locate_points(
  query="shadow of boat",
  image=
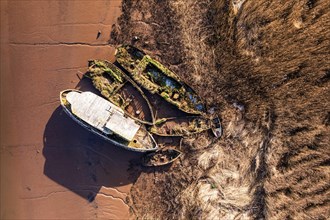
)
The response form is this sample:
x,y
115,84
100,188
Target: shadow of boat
x,y
81,161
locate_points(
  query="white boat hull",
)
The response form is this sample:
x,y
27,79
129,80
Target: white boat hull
x,y
104,136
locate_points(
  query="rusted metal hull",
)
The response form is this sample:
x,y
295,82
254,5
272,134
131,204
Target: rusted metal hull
x,y
121,90
181,126
153,76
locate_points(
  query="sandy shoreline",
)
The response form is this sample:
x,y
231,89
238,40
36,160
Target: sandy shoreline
x,y
51,167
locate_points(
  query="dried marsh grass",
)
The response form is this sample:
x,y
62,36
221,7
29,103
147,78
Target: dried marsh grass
x,y
265,66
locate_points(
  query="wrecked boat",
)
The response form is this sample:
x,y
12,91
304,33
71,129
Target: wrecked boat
x,y
153,76
216,127
161,157
186,126
180,126
121,90
106,120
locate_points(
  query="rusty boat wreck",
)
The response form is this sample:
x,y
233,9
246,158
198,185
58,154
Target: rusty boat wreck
x,y
157,79
121,90
106,120
181,126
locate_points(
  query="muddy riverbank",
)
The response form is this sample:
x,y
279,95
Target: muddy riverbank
x,y
50,166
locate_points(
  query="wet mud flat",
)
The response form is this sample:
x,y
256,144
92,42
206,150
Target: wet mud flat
x,y
264,66
50,166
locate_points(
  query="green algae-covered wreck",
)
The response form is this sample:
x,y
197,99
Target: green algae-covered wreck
x,y
118,88
153,76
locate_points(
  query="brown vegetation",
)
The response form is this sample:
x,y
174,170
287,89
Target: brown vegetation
x,y
265,67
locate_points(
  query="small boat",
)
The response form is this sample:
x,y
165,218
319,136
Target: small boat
x,y
121,90
216,127
106,120
161,157
153,76
180,126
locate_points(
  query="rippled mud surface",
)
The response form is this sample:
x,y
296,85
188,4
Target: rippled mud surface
x,y
50,166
